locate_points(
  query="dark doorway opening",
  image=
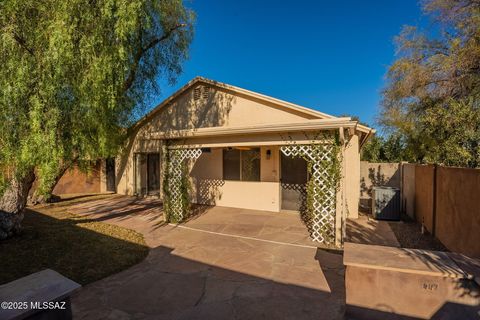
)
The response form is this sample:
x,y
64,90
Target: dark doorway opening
x,y
294,177
147,174
110,174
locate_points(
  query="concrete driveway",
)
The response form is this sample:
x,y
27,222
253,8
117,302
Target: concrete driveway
x,y
224,264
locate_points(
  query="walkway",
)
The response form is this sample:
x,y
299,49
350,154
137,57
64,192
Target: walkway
x,y
226,263
366,230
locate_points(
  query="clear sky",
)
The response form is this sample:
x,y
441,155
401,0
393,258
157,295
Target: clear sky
x,y
326,55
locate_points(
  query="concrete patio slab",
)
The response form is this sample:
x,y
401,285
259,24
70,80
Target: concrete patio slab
x,y
226,263
366,230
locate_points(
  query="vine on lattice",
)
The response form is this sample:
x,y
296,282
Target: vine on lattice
x,y
324,171
176,183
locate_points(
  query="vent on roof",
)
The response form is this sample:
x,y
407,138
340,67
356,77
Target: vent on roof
x,y
206,92
197,93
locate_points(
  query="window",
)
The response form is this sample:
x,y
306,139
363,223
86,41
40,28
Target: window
x,y
242,164
231,164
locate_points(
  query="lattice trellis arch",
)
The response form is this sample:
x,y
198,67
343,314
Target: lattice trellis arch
x,y
322,228
176,171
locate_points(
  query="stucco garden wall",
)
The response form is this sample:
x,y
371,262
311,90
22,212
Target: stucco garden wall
x,y
77,181
458,209
447,201
424,175
408,189
376,174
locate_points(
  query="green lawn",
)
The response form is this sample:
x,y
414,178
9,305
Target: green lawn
x,y
80,250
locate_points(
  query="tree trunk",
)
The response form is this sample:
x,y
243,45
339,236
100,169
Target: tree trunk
x,y
47,196
12,204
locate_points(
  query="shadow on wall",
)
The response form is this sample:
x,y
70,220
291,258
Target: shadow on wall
x,y
75,180
200,107
208,190
376,175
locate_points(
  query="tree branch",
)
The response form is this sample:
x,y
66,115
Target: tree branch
x,y
142,50
22,42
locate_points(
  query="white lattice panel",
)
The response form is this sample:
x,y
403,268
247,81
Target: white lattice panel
x,y
175,175
323,220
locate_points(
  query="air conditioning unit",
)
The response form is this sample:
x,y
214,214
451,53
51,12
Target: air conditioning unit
x,y
386,203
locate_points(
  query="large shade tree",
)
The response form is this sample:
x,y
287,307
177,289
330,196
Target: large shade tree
x,y
432,99
74,75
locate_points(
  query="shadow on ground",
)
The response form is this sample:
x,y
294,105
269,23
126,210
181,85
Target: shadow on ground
x,y
170,286
82,251
366,230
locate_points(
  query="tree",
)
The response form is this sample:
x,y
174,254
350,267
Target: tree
x,y
432,95
379,148
74,76
372,149
384,149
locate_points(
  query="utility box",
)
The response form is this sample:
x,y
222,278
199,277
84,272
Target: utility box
x,y
386,203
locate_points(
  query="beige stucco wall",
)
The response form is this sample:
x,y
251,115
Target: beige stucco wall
x,y
352,176
249,195
222,108
210,188
270,168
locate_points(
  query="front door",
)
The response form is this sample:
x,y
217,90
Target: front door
x,y
153,174
147,174
110,173
294,177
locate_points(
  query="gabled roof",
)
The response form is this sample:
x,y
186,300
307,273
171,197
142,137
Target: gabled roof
x,y
287,105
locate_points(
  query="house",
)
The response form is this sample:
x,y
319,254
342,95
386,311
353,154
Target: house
x,y
245,150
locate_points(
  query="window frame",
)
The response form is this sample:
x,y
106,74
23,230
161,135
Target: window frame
x,y
241,166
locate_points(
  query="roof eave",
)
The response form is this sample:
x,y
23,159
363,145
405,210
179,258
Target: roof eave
x,y
309,125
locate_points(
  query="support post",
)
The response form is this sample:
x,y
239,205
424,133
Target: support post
x,y
175,199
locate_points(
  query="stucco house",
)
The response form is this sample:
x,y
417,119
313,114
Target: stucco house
x,y
244,150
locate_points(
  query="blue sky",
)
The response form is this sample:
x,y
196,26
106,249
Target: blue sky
x,y
330,56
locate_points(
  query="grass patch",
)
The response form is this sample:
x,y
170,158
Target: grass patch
x,y
82,250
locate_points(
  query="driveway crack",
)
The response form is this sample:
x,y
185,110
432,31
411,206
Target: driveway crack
x,y
204,288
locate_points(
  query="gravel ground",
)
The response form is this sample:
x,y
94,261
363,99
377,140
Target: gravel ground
x,y
409,235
